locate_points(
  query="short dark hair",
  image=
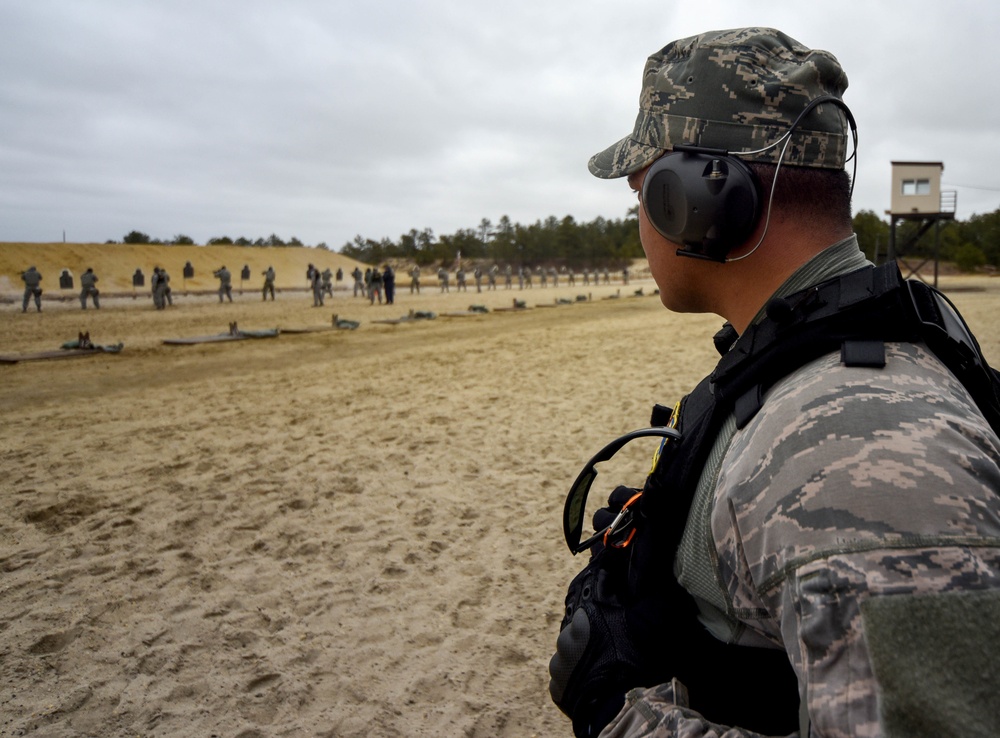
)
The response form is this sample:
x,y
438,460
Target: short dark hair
x,y
821,195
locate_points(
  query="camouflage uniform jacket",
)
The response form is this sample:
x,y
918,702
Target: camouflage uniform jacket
x,y
32,279
853,499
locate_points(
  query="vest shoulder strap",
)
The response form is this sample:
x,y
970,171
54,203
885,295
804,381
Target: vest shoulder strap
x,y
855,314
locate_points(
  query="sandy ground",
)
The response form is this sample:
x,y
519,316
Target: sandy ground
x,y
350,533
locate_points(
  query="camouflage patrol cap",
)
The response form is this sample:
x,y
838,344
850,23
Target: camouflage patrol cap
x,y
737,90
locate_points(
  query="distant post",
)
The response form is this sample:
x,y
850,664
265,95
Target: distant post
x,y
138,280
188,274
245,274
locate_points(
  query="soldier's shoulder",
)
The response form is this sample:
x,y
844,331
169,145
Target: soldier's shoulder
x,y
913,384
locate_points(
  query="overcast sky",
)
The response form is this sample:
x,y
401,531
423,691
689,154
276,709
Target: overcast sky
x,y
326,119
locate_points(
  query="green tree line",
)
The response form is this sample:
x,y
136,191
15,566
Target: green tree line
x,y
598,243
969,244
601,243
183,240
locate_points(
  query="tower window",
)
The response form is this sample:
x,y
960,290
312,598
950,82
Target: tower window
x,y
916,187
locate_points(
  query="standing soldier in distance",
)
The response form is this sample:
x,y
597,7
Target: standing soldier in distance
x,y
359,282
88,287
159,283
167,293
268,283
154,283
415,280
389,284
328,282
312,274
32,289
375,286
225,283
317,286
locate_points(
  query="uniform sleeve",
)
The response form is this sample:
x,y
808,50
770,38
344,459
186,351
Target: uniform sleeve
x,y
853,488
662,712
853,485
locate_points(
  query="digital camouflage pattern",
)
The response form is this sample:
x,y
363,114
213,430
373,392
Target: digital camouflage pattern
x,y
738,90
849,484
32,288
88,288
32,278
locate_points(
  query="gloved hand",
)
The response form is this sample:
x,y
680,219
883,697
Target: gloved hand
x,y
596,661
616,501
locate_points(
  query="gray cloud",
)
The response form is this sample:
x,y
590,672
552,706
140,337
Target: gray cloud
x,y
326,120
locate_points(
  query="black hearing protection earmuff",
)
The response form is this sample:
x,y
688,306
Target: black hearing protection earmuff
x,y
707,200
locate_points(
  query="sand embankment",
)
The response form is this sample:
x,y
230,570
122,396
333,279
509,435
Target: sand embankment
x,y
116,264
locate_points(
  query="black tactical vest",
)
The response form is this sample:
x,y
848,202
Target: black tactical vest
x,y
856,314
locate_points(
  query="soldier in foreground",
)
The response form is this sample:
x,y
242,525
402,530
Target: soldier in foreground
x,y
88,288
32,289
823,516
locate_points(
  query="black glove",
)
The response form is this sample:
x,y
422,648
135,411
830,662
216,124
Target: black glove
x,y
616,501
596,661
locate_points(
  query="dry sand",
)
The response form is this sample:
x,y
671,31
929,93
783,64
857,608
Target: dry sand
x,y
334,534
